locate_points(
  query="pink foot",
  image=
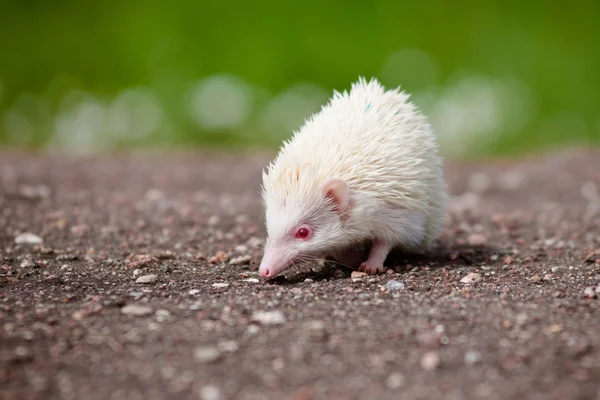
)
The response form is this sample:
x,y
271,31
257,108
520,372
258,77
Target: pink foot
x,y
377,255
371,269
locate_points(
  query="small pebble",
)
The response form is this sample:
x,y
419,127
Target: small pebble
x,y
252,329
590,291
137,272
430,361
210,392
28,238
162,315
251,280
395,380
136,310
147,279
242,248
205,355
241,260
357,274
472,357
220,257
65,267
471,278
194,292
28,264
229,346
220,285
269,317
308,280
394,285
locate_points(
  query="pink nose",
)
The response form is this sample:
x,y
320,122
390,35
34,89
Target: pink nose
x,y
265,273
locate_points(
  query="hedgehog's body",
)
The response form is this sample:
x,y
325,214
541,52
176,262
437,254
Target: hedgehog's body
x,y
364,169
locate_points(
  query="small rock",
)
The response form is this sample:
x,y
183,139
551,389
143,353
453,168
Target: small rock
x,y
556,328
65,267
477,239
210,392
395,380
194,292
394,285
274,317
357,274
472,357
136,310
141,260
147,279
242,248
316,331
28,238
28,264
241,260
471,278
430,361
308,280
229,346
220,257
220,285
162,315
136,272
251,280
205,355
590,292
535,278
252,329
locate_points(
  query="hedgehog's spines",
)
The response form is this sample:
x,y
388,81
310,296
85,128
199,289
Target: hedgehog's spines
x,y
386,152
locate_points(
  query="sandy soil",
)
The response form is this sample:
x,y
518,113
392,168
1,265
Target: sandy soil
x,y
145,287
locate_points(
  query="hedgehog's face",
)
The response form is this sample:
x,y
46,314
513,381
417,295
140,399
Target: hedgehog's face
x,y
303,229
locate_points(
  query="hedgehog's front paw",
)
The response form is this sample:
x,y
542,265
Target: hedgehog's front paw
x,y
371,269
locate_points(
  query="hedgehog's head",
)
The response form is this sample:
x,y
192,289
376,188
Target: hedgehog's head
x,y
303,224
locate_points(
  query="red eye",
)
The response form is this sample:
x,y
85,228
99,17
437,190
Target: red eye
x,y
303,233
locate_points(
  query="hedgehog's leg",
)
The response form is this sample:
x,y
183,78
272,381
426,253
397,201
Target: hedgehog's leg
x,y
377,255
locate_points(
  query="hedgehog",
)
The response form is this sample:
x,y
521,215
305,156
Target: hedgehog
x,y
359,179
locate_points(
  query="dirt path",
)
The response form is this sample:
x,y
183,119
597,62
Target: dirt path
x,y
76,324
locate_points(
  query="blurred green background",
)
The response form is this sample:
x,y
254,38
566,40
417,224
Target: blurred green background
x,y
496,78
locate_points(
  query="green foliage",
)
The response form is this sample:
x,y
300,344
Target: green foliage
x,y
55,53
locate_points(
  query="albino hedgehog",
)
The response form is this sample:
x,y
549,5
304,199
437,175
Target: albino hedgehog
x,y
365,170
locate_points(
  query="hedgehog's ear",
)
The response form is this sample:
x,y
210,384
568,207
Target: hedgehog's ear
x,y
337,190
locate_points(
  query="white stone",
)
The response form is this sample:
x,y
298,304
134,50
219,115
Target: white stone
x,y
28,238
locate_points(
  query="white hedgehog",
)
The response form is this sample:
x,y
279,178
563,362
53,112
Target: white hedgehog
x,y
365,170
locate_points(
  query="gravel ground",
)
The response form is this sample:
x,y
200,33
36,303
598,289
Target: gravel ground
x,y
135,277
